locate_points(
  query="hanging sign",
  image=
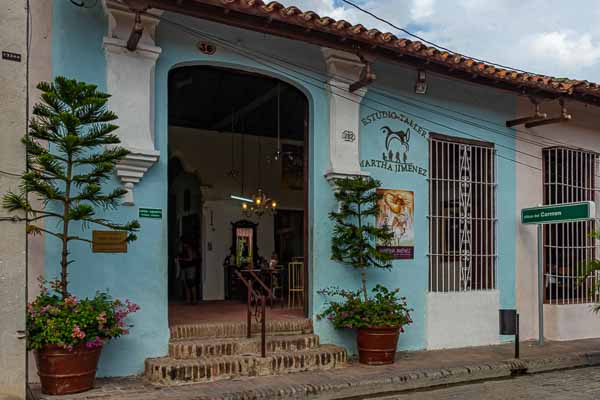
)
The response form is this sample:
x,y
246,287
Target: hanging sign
x,y
150,213
109,242
396,210
552,214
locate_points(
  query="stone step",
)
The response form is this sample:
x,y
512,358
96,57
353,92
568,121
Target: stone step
x,y
238,329
171,371
216,347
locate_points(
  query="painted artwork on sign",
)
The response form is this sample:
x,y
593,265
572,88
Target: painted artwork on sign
x,y
397,133
397,211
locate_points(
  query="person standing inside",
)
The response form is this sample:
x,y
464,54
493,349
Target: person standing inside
x,y
188,261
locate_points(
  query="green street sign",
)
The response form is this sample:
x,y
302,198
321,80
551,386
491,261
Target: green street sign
x,y
567,212
150,213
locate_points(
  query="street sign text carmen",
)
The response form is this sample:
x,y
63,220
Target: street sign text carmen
x,y
559,213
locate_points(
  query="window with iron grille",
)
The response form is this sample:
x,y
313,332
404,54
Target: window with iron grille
x,y
569,176
462,210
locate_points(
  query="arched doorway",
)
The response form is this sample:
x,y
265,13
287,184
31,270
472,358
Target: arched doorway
x,y
244,137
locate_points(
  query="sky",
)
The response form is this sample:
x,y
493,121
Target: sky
x,y
559,38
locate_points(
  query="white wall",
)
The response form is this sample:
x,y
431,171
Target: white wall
x,y
40,69
460,319
218,236
13,108
207,155
570,321
582,131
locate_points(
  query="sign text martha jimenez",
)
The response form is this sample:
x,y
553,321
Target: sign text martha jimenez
x,y
397,133
377,115
393,167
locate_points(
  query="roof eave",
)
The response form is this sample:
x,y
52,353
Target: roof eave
x,y
293,27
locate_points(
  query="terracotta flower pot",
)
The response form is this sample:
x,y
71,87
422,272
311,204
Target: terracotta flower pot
x,y
377,345
62,371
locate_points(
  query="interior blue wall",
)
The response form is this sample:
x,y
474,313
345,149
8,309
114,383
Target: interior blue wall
x,y
141,274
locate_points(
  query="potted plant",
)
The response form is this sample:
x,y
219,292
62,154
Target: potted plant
x,y
66,178
67,336
380,317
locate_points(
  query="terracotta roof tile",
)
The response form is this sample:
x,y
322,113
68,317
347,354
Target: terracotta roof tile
x,y
452,61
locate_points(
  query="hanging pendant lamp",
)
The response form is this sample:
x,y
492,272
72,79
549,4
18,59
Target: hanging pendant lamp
x,y
261,203
279,154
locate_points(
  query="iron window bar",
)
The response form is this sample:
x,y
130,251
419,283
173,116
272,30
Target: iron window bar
x,y
569,176
462,215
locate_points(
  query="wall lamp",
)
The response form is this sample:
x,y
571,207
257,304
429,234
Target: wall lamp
x,y
421,84
564,117
537,116
367,76
136,33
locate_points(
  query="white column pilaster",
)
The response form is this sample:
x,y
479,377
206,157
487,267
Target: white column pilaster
x,y
130,81
344,114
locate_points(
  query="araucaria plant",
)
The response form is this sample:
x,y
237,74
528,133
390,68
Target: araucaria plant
x,y
67,175
355,237
354,243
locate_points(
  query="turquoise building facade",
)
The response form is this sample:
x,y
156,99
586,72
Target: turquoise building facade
x,y
451,107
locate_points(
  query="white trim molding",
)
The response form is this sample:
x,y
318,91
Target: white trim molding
x,y
344,114
462,319
132,169
570,322
130,81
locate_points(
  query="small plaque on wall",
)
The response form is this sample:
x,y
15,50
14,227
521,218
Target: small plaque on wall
x,y
150,213
109,242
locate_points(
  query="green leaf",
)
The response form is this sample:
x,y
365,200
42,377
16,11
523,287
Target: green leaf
x,y
71,153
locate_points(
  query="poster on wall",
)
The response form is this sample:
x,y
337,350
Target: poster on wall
x,y
396,210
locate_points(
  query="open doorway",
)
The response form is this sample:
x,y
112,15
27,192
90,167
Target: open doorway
x,y
237,193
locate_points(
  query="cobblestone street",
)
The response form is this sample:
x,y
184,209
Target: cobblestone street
x,y
571,384
413,370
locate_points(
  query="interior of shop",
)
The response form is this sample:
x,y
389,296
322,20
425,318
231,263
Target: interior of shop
x,y
237,193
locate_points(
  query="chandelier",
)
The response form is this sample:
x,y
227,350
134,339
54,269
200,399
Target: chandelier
x,y
259,205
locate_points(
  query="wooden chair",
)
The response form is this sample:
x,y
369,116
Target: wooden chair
x,y
295,284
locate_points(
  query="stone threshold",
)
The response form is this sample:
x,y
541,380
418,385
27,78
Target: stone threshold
x,y
412,371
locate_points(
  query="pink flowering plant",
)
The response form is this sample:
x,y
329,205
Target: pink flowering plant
x,y
384,308
71,322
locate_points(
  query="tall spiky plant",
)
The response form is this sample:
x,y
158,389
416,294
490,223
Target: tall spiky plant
x,y
355,238
67,176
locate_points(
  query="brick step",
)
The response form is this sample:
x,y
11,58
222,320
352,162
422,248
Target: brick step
x,y
211,347
170,371
238,329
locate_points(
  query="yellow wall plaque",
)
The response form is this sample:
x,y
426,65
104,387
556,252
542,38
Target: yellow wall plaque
x,y
109,242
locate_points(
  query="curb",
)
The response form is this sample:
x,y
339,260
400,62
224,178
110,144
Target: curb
x,y
353,387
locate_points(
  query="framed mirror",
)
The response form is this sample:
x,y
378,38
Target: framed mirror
x,y
244,246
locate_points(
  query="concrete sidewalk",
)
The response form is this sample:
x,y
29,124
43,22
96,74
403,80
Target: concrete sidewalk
x,y
413,370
